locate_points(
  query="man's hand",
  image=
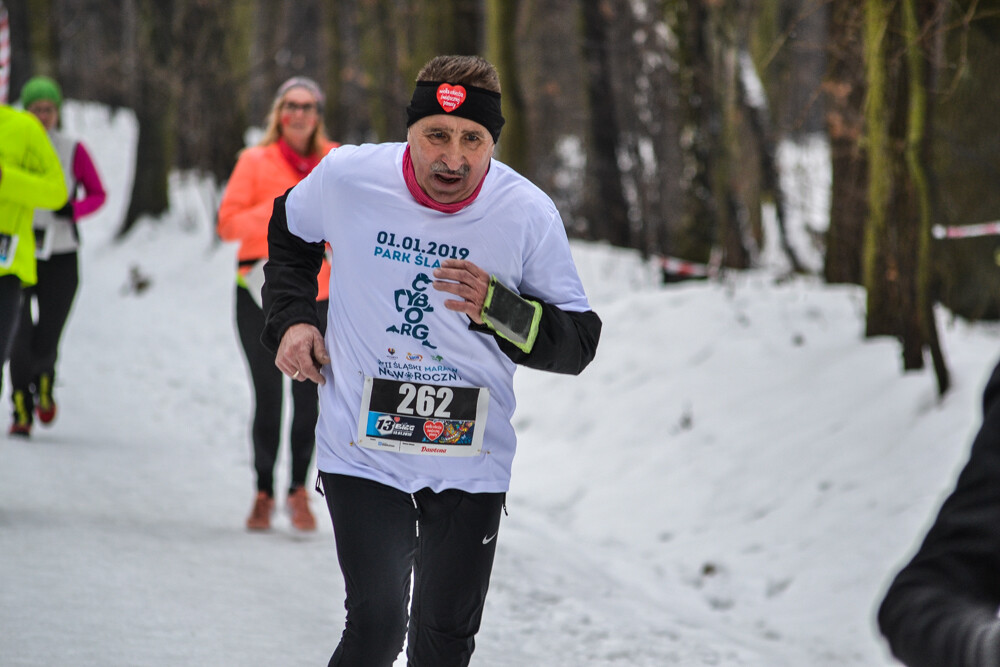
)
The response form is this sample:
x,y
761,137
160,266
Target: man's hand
x,y
465,280
302,353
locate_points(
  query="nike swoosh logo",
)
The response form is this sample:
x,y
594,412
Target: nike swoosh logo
x,y
487,540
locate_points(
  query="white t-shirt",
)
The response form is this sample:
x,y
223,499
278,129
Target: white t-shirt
x,y
59,235
386,322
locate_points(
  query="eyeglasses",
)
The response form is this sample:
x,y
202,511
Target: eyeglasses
x,y
292,107
43,108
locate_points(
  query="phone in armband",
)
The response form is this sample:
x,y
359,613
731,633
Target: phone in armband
x,y
511,316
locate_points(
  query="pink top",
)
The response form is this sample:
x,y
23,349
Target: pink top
x,y
85,173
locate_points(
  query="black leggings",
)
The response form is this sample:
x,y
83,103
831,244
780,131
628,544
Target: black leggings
x,y
36,343
268,394
446,539
10,312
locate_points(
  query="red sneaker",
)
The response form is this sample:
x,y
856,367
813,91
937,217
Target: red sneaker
x,y
260,515
298,508
46,408
20,431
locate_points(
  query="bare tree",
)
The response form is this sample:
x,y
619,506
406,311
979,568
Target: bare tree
x,y
605,204
23,63
546,44
504,18
154,101
844,87
723,181
897,257
210,117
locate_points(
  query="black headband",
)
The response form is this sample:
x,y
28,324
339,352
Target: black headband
x,y
470,102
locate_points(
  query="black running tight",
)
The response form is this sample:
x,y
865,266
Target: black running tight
x,y
10,313
379,546
268,392
36,344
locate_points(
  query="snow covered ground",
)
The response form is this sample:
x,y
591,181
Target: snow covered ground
x,y
731,482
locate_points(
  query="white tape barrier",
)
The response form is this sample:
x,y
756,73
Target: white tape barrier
x,y
966,231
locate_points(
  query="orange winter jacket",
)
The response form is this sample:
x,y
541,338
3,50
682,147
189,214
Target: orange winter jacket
x,y
261,174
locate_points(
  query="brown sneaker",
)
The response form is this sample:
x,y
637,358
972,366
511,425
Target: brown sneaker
x,y
298,508
260,515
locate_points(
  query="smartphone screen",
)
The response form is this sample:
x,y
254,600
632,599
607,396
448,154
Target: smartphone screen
x,y
509,314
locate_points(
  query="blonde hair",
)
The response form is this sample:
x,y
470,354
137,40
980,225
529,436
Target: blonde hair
x,y
273,130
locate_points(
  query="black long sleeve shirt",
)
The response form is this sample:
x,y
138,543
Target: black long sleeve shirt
x,y
941,609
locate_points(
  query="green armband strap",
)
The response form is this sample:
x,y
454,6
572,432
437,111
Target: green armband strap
x,y
510,316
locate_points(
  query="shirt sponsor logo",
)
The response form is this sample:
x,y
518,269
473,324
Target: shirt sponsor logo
x,y
389,426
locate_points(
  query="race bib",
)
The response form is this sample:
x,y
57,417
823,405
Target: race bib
x,y
426,419
8,248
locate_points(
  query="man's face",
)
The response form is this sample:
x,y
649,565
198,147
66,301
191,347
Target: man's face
x,y
450,156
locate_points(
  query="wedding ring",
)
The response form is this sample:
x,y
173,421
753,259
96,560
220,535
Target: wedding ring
x,y
295,374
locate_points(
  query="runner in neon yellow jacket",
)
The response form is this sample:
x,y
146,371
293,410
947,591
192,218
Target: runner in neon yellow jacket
x,y
30,178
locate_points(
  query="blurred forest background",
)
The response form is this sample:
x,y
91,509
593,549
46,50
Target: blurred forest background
x,y
654,124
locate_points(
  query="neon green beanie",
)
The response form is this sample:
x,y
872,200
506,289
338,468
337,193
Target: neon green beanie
x,y
40,88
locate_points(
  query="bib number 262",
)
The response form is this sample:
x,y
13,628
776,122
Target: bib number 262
x,y
425,400
415,418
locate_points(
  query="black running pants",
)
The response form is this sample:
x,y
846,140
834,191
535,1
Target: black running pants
x,y
10,312
447,540
36,344
268,391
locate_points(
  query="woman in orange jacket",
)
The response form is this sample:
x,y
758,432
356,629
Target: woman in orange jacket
x,y
294,142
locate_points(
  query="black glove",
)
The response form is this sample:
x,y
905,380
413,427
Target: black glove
x,y
65,212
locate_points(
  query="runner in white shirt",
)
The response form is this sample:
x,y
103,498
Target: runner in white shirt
x,y
449,269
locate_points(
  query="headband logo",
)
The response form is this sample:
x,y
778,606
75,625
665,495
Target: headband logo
x,y
450,97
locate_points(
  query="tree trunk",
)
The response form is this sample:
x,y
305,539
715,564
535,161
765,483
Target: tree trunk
x,y
650,160
881,275
351,123
547,46
288,40
503,38
605,203
844,88
22,16
694,237
450,27
724,181
757,119
897,269
923,17
212,133
155,110
388,85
